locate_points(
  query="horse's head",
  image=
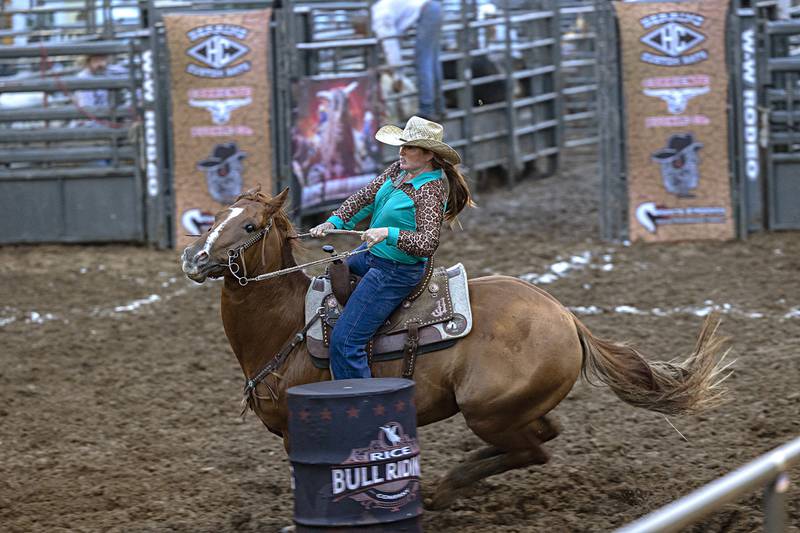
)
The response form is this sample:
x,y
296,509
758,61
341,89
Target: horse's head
x,y
252,217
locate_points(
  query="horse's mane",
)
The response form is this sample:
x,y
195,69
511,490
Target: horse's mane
x,y
280,218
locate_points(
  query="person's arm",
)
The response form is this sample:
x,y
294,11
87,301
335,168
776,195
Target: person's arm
x,y
429,201
360,204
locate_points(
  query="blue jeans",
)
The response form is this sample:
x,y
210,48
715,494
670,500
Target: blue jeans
x,y
383,286
429,66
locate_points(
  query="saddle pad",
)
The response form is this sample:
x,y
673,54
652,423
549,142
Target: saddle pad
x,y
458,326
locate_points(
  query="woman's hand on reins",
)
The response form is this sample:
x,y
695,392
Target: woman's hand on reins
x,y
319,231
374,235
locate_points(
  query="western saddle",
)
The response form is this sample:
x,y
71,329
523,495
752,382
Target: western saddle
x,y
431,318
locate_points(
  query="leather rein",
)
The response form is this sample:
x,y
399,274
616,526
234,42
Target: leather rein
x,y
238,253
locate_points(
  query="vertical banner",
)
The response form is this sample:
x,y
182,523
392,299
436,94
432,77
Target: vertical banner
x,y
752,208
334,151
220,112
154,149
676,94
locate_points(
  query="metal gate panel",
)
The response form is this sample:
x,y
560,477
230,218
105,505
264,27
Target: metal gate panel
x,y
781,93
106,209
74,210
68,173
82,173
785,193
30,211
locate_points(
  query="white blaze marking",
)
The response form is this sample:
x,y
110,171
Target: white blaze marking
x,y
235,212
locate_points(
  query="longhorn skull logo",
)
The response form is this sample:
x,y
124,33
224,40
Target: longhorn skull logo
x,y
677,99
221,109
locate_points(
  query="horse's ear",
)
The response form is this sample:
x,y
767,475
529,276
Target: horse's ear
x,y
277,201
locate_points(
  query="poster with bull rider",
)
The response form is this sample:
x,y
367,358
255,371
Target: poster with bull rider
x,y
676,114
334,151
220,91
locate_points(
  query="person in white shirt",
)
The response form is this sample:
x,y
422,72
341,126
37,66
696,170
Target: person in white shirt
x,y
391,19
84,99
95,65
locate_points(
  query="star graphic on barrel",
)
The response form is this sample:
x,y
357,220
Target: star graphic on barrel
x,y
379,410
400,406
352,413
304,415
326,414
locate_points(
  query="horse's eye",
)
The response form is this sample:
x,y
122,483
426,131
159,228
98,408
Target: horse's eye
x,y
250,228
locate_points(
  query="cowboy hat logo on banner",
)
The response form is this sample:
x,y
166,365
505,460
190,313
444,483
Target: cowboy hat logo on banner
x,y
679,164
224,170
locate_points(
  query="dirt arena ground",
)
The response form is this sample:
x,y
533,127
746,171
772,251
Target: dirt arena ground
x,y
119,395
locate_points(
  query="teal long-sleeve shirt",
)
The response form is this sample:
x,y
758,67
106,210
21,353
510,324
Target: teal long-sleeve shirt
x,y
412,212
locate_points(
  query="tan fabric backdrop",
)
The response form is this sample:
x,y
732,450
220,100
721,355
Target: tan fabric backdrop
x,y
220,92
676,89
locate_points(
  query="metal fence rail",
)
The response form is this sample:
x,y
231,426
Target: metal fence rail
x,y
502,75
769,470
579,72
516,115
23,21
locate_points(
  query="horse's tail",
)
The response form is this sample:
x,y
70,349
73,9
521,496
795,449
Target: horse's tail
x,y
669,387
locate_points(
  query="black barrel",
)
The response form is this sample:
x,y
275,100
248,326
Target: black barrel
x,y
355,457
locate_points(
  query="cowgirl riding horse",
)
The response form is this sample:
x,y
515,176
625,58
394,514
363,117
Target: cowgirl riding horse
x,y
407,204
525,351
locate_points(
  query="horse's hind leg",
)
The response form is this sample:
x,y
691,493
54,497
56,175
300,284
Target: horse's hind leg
x,y
546,428
462,476
483,453
494,460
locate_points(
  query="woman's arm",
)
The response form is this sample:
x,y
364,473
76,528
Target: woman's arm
x,y
429,201
360,204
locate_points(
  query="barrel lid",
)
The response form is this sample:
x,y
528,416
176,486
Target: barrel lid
x,y
350,387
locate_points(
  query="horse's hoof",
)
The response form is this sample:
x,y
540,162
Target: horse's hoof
x,y
427,495
438,502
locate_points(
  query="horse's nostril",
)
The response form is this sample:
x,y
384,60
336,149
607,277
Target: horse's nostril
x,y
201,258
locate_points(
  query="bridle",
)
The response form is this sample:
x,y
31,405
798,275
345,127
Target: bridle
x,y
236,253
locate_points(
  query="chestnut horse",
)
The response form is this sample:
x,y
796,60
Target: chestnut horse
x,y
522,357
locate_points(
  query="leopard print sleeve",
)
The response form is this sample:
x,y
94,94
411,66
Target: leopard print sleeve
x,y
366,195
429,202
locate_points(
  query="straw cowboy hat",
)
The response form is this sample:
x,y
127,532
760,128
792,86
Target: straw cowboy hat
x,y
422,134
